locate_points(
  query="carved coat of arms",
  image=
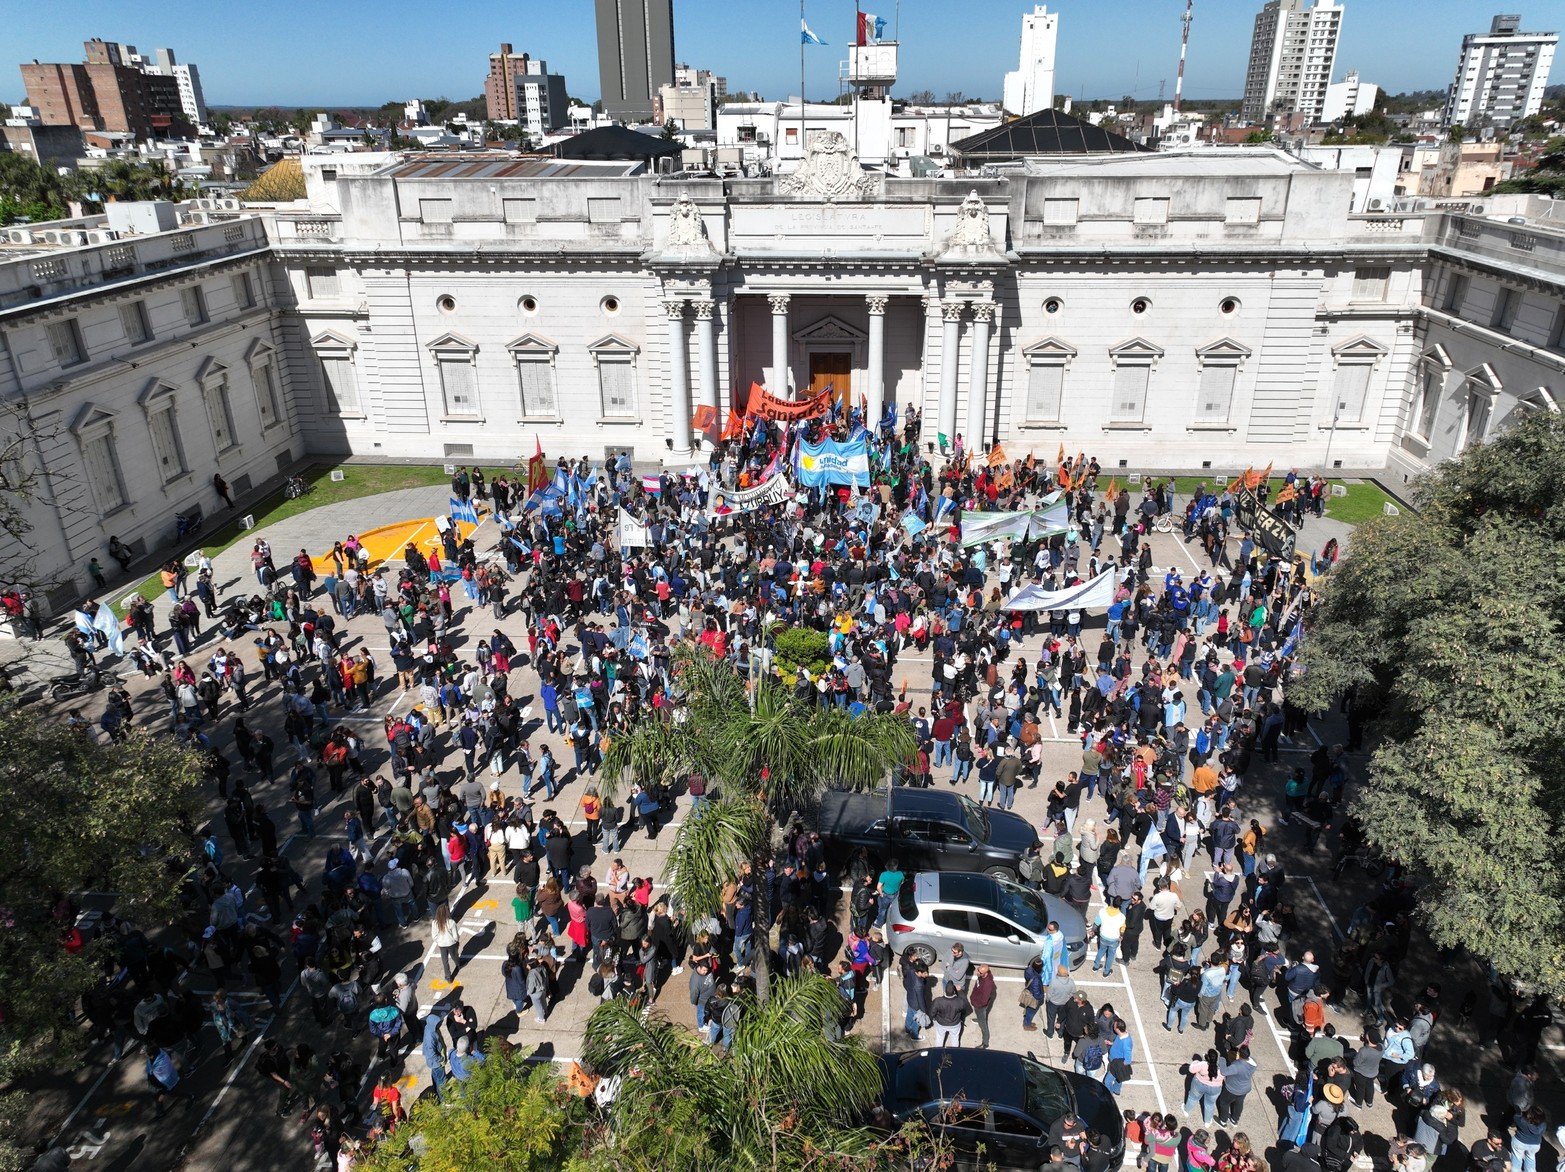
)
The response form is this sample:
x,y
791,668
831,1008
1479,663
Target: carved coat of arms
x,y
830,171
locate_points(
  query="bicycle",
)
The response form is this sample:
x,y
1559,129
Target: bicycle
x,y
296,488
1163,523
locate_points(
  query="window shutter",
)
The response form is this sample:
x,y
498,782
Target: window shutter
x,y
1349,389
461,386
1217,392
165,446
1130,393
98,455
536,379
342,392
1045,389
616,382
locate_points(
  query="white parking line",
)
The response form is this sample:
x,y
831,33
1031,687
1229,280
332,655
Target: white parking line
x,y
1146,1046
1321,899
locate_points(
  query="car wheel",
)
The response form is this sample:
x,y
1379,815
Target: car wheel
x,y
922,952
1001,873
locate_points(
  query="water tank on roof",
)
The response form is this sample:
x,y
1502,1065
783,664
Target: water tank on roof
x,y
141,217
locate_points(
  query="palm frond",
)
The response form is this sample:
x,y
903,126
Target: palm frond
x,y
712,843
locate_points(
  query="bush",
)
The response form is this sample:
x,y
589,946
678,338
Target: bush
x,y
800,647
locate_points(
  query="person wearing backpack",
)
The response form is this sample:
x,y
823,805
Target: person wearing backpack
x,y
385,1022
1092,1058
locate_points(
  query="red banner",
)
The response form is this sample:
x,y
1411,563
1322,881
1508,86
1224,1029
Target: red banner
x,y
768,406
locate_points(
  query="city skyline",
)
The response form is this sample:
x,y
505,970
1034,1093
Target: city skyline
x,y
939,53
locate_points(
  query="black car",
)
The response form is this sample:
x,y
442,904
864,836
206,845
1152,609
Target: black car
x,y
995,1108
924,830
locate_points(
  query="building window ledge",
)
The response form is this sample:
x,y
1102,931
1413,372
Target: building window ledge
x,y
1227,427
461,419
548,420
1343,427
1420,442
617,421
1038,425
1127,426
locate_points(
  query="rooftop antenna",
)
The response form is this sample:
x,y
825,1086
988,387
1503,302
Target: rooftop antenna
x,y
1184,43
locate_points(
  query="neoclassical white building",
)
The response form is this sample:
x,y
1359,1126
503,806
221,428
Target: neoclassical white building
x,y
1159,311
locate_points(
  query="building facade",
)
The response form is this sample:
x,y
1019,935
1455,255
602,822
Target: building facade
x,y
110,91
1160,311
635,55
1030,87
1293,54
1500,77
1349,98
188,80
521,89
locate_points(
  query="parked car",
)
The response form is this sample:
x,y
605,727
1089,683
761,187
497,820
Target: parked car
x,y
998,922
925,830
996,1108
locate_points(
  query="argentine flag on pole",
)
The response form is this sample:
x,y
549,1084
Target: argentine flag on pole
x,y
806,36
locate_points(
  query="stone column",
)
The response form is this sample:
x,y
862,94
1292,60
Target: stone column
x,y
978,380
706,353
777,379
678,377
875,391
950,350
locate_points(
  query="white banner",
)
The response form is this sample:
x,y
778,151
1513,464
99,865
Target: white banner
x,y
1098,594
978,528
746,500
1046,522
632,534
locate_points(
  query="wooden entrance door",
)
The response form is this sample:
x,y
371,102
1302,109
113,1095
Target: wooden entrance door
x,y
833,369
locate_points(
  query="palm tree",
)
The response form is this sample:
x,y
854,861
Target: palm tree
x,y
769,756
787,1095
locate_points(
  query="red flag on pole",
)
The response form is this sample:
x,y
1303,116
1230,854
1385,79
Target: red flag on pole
x,y
537,468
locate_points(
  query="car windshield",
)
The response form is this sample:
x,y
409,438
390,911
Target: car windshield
x,y
1048,1097
1021,906
977,820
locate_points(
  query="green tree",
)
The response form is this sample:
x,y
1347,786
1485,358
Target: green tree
x,y
30,192
1447,621
95,816
761,749
789,1095
512,1115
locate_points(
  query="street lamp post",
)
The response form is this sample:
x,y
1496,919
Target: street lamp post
x,y
1332,435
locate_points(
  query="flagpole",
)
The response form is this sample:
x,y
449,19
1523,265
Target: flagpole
x,y
802,130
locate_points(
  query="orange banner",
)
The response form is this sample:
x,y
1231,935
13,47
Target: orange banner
x,y
996,456
768,406
705,419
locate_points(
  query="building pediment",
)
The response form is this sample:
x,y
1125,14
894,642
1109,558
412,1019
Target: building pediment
x,y
209,368
1135,350
1049,350
829,329
1358,349
1223,350
90,415
451,341
257,352
613,344
532,344
1437,356
154,392
334,340
1483,380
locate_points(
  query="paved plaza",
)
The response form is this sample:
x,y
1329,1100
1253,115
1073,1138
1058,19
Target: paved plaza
x,y
233,1123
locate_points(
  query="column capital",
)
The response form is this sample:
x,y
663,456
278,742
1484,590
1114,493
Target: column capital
x,y
704,309
983,311
675,308
952,310
877,304
779,302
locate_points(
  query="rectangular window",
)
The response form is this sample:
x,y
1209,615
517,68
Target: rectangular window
x,y
603,210
1243,210
1045,391
165,444
215,391
1478,408
1455,293
437,211
1370,284
103,472
194,301
617,388
1348,390
1217,393
323,282
535,380
265,393
133,317
459,381
244,291
1428,404
65,340
1151,210
340,383
1060,213
520,211
1505,306
1130,394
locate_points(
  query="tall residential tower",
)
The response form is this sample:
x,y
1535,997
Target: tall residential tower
x,y
1500,77
1030,87
635,55
1292,56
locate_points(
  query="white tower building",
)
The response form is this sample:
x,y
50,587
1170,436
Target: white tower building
x,y
1501,76
1293,54
1030,87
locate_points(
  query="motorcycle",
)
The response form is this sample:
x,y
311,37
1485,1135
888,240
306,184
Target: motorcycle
x,y
76,683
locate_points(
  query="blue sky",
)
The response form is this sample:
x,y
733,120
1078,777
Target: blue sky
x,y
299,52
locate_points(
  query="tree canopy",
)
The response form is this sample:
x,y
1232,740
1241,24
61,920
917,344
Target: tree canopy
x,y
29,191
1447,621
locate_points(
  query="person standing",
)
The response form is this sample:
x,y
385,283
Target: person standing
x,y
444,935
915,984
1109,926
982,1001
948,1011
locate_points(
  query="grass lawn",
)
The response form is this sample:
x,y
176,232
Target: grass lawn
x,y
1364,502
358,480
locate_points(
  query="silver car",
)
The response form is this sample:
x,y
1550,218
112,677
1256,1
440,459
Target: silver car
x,y
998,922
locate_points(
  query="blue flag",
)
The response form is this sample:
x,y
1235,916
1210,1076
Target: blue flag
x,y
463,511
806,36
